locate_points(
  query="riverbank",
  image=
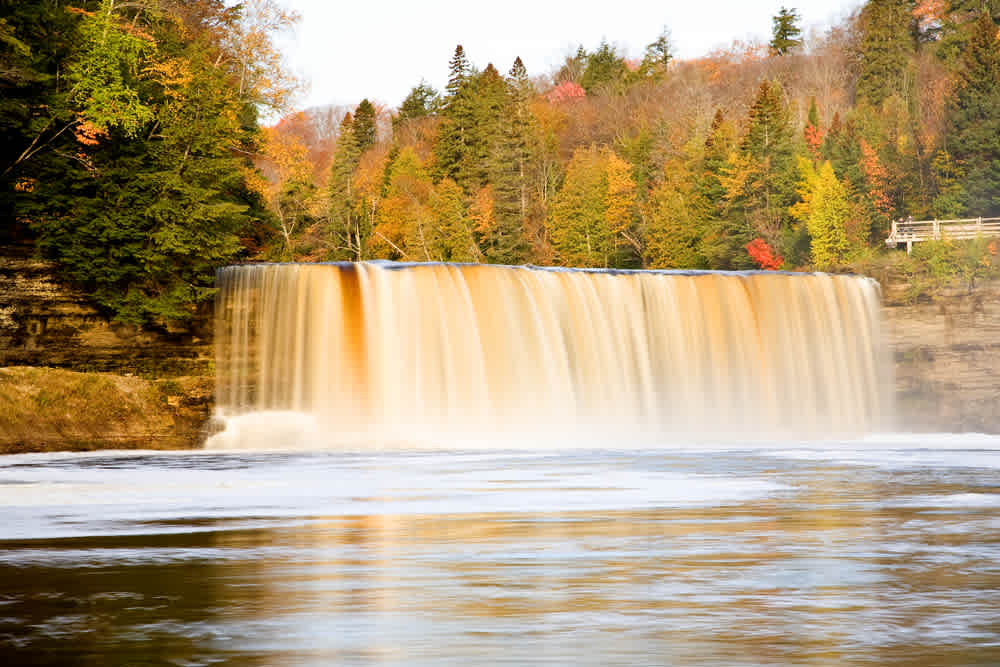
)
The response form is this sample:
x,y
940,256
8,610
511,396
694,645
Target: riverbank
x,y
49,409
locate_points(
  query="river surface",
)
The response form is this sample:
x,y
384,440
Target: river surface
x,y
876,552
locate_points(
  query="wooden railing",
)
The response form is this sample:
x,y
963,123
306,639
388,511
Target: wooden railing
x,y
914,231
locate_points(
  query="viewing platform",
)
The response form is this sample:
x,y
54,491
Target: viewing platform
x,y
914,231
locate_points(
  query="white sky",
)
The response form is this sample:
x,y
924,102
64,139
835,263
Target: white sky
x,y
349,49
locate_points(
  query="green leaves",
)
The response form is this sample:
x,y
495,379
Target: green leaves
x,y
107,72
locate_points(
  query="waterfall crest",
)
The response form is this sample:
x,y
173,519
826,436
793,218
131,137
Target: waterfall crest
x,y
382,352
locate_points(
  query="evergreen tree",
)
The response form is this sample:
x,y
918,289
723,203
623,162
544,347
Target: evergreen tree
x,y
657,57
974,120
886,45
760,180
459,71
422,101
725,230
364,125
454,228
455,148
605,70
141,190
347,240
501,137
785,32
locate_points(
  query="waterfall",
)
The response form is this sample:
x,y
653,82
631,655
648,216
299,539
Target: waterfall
x,y
443,353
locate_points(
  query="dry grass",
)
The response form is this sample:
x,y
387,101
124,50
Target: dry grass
x,y
46,409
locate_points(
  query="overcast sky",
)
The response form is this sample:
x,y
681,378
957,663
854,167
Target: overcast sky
x,y
347,50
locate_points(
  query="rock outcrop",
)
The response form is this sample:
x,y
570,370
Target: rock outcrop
x,y
946,350
43,323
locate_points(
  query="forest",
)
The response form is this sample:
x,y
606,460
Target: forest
x,y
134,154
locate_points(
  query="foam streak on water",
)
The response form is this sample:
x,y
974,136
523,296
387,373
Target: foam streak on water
x,y
437,352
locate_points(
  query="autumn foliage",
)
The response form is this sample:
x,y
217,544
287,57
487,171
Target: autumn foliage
x,y
764,255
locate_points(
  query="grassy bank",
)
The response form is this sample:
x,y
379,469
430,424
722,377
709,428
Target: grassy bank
x,y
47,409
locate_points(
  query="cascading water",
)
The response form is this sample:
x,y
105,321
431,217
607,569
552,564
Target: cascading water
x,y
405,353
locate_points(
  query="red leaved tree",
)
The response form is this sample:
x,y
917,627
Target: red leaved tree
x,y
764,255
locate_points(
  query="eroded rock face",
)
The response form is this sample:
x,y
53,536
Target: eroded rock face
x,y
947,360
43,323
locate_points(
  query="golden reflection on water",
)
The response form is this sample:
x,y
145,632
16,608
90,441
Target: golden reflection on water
x,y
833,570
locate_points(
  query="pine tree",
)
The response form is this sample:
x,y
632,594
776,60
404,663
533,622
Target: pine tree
x,y
886,46
347,240
974,120
508,168
421,101
455,149
605,70
459,70
785,32
761,180
725,231
364,125
657,57
456,241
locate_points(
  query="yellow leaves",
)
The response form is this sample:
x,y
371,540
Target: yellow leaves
x,y
174,74
620,198
806,186
25,185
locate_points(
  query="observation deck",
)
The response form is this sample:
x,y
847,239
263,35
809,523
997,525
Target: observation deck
x,y
914,231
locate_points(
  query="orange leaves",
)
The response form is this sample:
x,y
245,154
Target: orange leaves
x,y
930,13
877,178
88,134
482,211
764,255
814,140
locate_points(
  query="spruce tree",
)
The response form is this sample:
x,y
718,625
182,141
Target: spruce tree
x,y
657,57
455,148
421,101
456,241
345,230
605,70
974,120
459,70
785,32
886,45
762,179
364,125
499,141
725,232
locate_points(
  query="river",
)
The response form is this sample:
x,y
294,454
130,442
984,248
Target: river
x,y
868,552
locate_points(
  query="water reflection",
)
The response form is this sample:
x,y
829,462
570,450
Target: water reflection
x,y
796,559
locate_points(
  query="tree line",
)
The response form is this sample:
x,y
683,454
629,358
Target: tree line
x,y
138,162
